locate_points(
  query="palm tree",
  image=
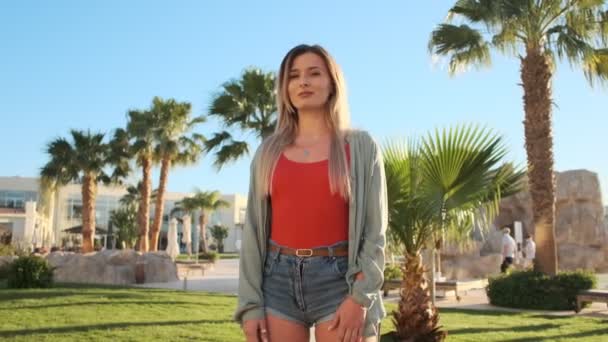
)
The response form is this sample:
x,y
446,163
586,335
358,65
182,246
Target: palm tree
x,y
204,202
82,160
535,32
125,221
441,179
140,127
173,147
133,196
248,104
219,233
463,181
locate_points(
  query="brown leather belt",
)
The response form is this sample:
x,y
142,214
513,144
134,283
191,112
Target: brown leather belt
x,y
336,251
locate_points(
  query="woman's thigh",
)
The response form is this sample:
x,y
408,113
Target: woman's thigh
x,y
285,330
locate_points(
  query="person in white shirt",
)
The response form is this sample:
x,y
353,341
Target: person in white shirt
x,y
509,248
529,251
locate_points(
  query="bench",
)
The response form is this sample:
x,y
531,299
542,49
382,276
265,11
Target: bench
x,y
189,268
589,296
448,285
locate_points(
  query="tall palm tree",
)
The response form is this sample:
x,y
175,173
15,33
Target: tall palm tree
x,y
536,32
82,160
249,104
173,146
440,179
204,202
140,129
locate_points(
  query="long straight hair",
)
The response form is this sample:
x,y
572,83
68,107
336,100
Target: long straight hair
x,y
337,119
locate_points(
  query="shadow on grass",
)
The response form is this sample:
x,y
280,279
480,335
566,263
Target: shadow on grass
x,y
475,312
505,329
85,304
597,332
21,294
107,326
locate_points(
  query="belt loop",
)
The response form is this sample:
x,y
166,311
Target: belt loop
x,y
331,251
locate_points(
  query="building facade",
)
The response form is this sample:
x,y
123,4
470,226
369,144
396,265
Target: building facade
x,y
21,224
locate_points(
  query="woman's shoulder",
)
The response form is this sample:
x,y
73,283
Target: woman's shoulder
x,y
363,139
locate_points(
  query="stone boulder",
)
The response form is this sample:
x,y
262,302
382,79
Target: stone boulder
x,y
469,267
114,267
159,268
572,256
581,223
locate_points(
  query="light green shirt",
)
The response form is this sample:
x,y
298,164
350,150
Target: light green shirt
x,y
368,219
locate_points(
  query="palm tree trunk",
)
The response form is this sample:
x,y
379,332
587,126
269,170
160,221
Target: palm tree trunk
x,y
89,187
433,280
143,212
203,231
416,319
536,80
160,199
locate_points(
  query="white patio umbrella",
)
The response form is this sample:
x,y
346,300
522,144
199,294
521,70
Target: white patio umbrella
x,y
187,233
35,236
172,245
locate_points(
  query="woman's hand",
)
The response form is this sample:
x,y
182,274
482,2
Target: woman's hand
x,y
255,330
349,320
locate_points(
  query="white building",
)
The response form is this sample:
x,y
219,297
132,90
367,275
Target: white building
x,y
20,223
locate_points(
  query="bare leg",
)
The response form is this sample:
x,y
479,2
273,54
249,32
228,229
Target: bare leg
x,y
284,330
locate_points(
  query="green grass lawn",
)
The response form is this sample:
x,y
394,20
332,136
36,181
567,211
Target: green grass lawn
x,y
76,313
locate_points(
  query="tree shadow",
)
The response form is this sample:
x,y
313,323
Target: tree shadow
x,y
107,326
505,329
597,332
84,304
21,294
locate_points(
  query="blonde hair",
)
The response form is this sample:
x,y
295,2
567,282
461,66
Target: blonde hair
x,y
338,121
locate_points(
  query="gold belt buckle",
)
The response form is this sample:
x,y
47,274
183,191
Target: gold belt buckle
x,y
308,252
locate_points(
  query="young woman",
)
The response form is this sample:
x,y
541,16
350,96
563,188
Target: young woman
x,y
313,241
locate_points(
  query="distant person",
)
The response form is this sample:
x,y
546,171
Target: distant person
x,y
509,247
529,251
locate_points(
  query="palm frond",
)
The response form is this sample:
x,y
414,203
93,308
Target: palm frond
x,y
477,11
230,152
217,140
596,67
464,45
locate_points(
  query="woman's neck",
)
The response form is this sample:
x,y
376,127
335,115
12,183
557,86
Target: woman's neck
x,y
311,125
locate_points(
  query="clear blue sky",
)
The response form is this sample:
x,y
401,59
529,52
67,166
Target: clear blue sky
x,y
83,64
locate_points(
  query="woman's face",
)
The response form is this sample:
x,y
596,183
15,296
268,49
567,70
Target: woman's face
x,y
309,85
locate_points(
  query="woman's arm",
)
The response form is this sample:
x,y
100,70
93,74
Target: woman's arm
x,y
250,298
371,253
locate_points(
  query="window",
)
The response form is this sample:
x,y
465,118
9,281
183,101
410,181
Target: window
x,y
16,199
74,211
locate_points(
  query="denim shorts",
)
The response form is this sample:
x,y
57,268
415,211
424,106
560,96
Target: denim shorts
x,y
306,290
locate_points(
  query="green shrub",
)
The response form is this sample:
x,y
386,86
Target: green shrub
x,y
533,290
4,269
392,272
211,256
30,272
6,249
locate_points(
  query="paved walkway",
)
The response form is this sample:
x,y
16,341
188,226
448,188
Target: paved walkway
x,y
223,278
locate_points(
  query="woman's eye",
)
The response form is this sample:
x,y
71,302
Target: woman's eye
x,y
292,76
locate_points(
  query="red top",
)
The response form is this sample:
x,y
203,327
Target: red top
x,y
305,214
